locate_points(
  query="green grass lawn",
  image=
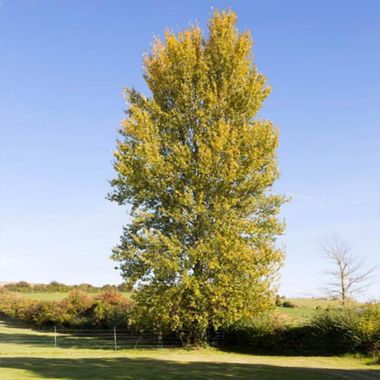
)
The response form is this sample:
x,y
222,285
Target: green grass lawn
x,y
28,354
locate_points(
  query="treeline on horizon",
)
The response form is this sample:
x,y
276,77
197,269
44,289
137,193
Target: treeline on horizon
x,y
58,287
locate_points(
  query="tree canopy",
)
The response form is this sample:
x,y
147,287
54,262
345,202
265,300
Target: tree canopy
x,y
197,165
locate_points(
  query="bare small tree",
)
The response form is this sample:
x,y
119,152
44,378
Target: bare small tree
x,y
348,276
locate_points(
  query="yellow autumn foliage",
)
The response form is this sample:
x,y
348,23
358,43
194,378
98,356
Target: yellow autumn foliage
x,y
197,166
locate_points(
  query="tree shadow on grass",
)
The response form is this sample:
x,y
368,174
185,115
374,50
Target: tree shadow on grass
x,y
83,341
63,341
144,368
279,351
77,338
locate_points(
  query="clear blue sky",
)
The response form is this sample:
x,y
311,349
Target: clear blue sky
x,y
63,65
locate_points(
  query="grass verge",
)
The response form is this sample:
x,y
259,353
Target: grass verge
x,y
28,354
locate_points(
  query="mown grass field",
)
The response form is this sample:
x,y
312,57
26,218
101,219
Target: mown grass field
x,y
305,308
56,296
28,354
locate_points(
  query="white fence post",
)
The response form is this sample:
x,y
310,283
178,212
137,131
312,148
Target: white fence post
x,y
114,337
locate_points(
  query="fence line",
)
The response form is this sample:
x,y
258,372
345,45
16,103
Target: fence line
x,y
90,338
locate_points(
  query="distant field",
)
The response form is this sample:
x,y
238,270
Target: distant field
x,y
43,296
27,354
305,308
56,296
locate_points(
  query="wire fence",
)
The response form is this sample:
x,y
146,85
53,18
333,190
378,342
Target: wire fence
x,y
112,339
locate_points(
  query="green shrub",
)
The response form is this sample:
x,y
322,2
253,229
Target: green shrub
x,y
125,287
288,304
259,334
111,309
369,329
21,286
331,331
337,329
56,286
15,306
43,313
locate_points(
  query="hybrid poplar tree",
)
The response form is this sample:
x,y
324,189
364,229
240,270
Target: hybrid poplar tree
x,y
197,166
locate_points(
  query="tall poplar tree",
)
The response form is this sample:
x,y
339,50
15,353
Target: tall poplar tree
x,y
197,166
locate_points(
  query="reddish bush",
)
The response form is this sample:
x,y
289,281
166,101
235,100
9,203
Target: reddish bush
x,y
77,310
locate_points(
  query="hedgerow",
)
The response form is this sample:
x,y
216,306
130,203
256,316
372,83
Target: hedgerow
x,y
79,309
331,331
